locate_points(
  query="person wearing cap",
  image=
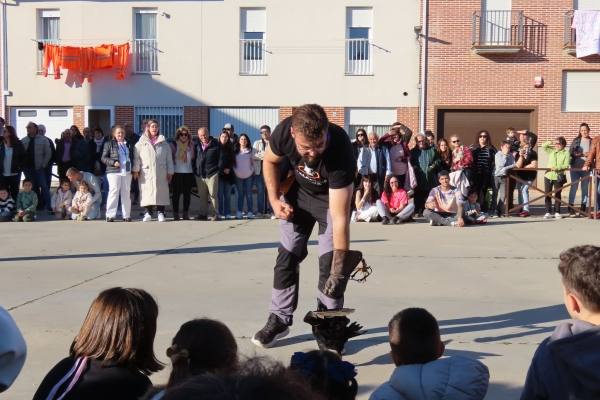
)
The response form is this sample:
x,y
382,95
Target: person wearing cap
x,y
13,350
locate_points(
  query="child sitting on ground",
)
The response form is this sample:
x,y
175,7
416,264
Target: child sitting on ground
x,y
62,200
26,203
82,201
567,364
472,210
420,372
7,206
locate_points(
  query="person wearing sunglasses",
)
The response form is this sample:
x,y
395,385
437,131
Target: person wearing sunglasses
x,y
462,157
425,161
183,178
483,169
559,161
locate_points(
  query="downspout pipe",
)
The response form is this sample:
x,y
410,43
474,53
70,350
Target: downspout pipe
x,y
424,58
4,60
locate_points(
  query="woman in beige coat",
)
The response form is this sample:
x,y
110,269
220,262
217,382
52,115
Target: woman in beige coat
x,y
153,166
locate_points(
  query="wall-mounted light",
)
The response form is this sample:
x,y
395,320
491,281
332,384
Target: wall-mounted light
x,y
538,82
418,29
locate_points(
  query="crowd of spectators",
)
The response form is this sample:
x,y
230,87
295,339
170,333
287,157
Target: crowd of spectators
x,y
400,176
112,355
108,173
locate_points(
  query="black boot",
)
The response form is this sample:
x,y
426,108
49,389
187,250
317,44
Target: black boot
x,y
175,215
186,215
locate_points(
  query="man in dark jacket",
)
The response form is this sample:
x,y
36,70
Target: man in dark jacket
x,y
425,162
208,165
567,364
374,161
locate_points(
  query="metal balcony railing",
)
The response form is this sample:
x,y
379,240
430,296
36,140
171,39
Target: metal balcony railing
x,y
569,37
498,28
253,57
359,60
145,55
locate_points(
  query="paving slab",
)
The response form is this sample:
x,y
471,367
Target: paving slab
x,y
494,289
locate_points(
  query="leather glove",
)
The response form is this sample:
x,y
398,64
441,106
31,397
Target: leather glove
x,y
343,264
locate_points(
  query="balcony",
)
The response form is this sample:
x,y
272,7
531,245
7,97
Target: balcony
x,y
253,57
145,56
358,57
570,39
498,32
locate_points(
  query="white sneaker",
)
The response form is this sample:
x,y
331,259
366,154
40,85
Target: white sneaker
x,y
353,217
273,216
557,216
229,216
547,216
147,218
239,215
250,215
161,217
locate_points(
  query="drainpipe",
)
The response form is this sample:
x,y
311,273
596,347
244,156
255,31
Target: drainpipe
x,y
423,83
4,61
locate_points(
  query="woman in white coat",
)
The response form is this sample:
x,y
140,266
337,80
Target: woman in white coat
x,y
153,166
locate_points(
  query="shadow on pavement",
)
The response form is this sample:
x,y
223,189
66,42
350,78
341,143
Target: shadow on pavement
x,y
502,391
526,320
183,250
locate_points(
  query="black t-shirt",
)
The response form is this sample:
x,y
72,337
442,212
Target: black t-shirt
x,y
527,175
336,169
98,382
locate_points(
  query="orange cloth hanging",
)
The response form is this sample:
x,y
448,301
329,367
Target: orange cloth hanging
x,y
103,56
71,58
120,59
87,63
51,55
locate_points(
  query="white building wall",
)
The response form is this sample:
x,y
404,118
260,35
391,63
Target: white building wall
x,y
199,59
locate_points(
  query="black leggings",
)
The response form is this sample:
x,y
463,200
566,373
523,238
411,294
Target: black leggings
x,y
182,185
548,187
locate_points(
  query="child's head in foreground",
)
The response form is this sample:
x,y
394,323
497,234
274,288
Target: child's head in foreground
x,y
414,337
580,270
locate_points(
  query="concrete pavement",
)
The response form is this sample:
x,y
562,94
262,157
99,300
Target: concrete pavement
x,y
495,289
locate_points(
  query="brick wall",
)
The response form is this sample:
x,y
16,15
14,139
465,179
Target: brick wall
x,y
195,117
124,115
285,112
335,114
409,116
79,117
460,78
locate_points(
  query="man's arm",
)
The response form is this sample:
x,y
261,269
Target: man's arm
x,y
339,207
271,176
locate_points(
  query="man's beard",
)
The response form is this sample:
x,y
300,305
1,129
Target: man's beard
x,y
312,162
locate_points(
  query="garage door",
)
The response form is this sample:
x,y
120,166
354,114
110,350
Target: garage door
x,y
244,119
55,120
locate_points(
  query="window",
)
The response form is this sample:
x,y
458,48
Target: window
x,y
359,23
58,113
48,32
27,113
580,90
378,120
252,41
169,119
145,46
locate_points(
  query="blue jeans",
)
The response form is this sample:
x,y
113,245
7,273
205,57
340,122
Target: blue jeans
x,y
224,197
575,175
40,185
261,198
524,194
244,190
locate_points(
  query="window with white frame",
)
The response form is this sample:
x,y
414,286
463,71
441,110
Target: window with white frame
x,y
378,120
48,32
580,90
253,30
169,119
586,4
359,27
145,44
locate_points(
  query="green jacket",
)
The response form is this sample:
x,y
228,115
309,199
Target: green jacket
x,y
560,160
27,201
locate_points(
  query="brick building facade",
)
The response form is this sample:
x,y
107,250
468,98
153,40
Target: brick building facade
x,y
461,79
